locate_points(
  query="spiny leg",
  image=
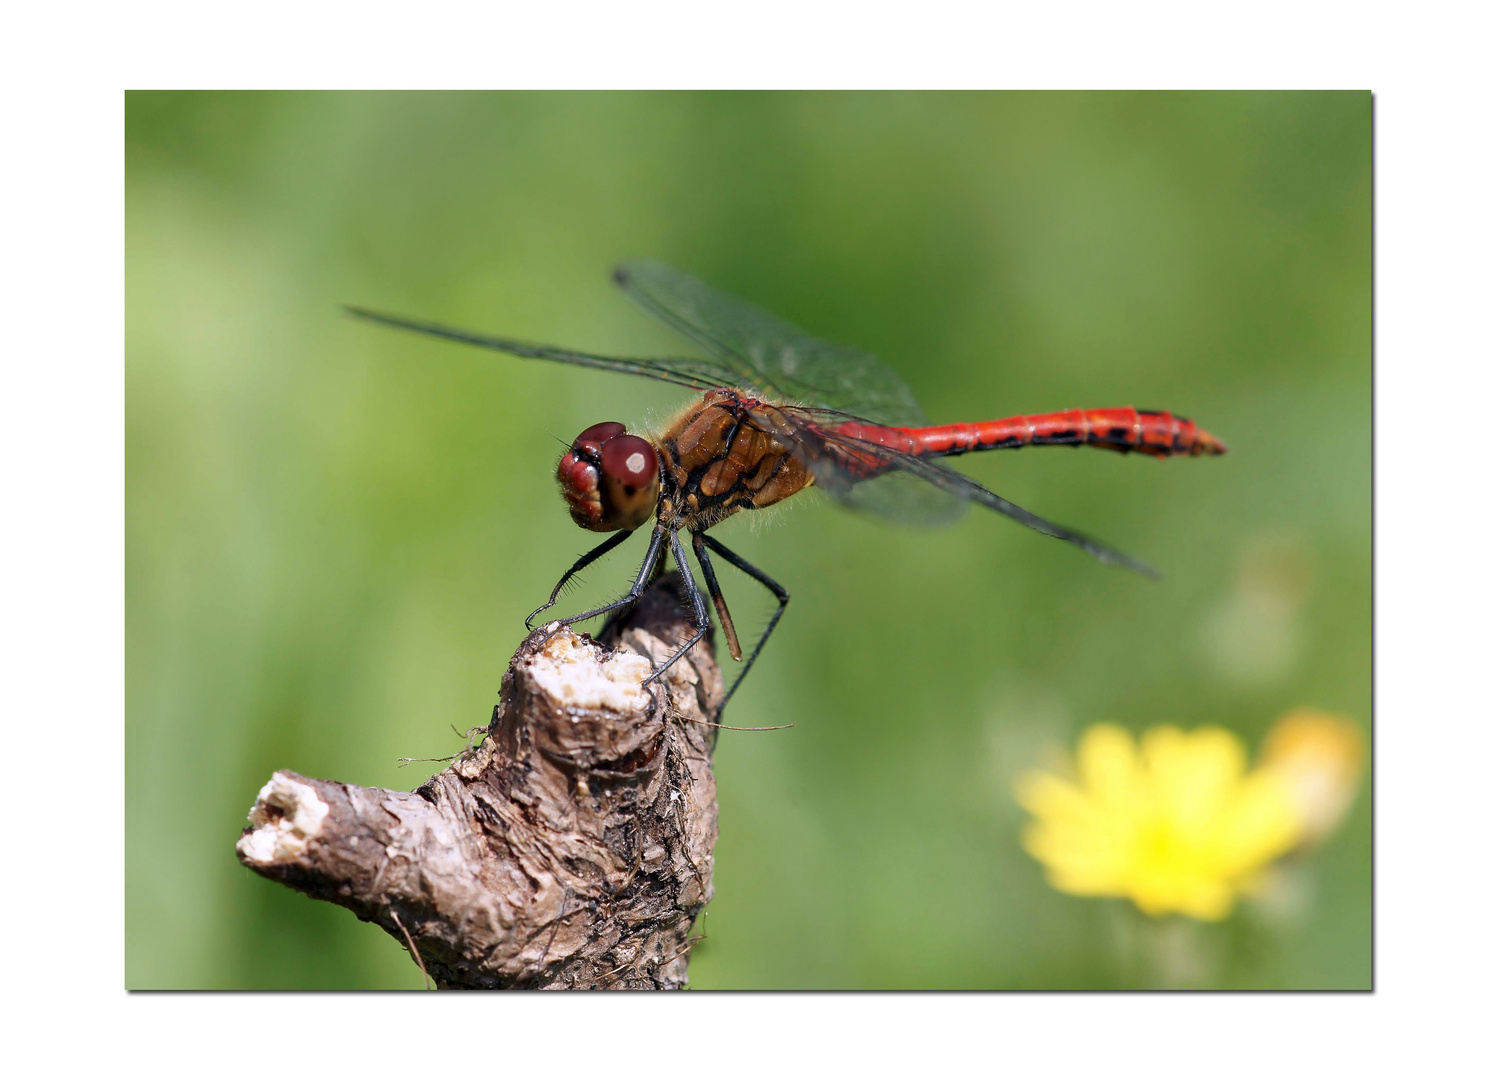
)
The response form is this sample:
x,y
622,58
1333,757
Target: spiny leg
x,y
698,541
698,606
780,593
581,564
651,557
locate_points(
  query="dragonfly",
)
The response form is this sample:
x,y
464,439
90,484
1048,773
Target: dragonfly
x,y
781,411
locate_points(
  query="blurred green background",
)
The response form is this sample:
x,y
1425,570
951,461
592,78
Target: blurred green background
x,y
334,530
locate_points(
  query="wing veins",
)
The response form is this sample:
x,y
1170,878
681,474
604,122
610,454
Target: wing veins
x,y
764,352
746,374
690,373
842,481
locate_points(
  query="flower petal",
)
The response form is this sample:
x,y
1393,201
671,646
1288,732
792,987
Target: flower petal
x,y
1175,823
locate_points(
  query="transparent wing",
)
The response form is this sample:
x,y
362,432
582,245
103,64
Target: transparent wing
x,y
896,496
904,487
699,374
768,355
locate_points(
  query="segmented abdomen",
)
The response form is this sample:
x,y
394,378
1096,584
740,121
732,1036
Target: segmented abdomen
x,y
1156,433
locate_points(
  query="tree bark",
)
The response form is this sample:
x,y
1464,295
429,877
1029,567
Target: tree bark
x,y
571,848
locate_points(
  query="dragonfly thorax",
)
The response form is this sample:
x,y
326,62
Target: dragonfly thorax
x,y
610,479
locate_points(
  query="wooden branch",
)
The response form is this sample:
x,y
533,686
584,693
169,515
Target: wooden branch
x,y
571,848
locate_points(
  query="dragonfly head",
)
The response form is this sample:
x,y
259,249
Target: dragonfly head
x,y
610,479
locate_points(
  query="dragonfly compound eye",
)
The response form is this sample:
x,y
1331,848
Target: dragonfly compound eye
x,y
590,442
610,479
630,481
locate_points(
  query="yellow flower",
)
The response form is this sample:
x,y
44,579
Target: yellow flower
x,y
1320,756
1177,824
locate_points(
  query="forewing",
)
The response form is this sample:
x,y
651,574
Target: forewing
x,y
918,490
768,355
683,371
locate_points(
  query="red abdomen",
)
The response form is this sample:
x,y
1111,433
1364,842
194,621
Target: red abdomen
x,y
1158,434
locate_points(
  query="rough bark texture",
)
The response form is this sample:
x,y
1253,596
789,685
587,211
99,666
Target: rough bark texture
x,y
571,848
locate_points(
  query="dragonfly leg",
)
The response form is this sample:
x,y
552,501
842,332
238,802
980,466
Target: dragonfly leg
x,y
780,593
651,558
698,541
698,608
581,564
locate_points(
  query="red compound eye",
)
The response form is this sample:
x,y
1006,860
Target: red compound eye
x,y
609,478
590,442
630,460
630,480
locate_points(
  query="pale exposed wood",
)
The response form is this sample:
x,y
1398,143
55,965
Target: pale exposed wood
x,y
571,848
